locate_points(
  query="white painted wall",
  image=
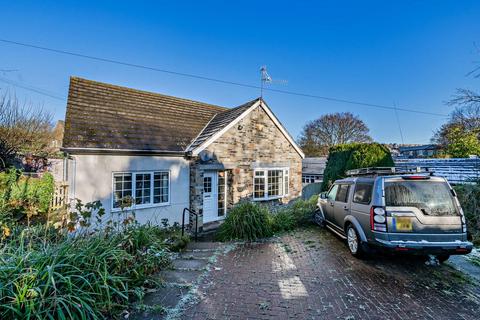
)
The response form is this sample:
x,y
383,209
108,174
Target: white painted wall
x,y
90,179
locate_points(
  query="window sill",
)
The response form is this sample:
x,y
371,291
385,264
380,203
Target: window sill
x,y
270,198
143,206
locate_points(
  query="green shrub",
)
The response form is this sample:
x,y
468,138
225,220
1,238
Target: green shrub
x,y
251,221
246,221
469,197
353,156
85,277
297,214
283,220
22,198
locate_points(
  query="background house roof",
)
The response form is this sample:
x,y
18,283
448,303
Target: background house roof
x,y
314,165
105,116
418,147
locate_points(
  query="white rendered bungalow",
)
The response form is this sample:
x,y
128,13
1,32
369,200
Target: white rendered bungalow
x,y
169,153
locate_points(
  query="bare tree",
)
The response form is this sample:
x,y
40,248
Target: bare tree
x,y
465,116
467,108
332,129
23,129
475,72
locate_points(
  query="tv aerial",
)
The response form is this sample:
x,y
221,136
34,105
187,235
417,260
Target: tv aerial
x,y
266,79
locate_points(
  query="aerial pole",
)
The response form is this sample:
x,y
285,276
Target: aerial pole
x,y
264,78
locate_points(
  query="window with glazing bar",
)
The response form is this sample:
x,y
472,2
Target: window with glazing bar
x,y
144,188
270,183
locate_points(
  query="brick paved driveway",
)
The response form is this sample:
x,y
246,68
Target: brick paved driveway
x,y
310,274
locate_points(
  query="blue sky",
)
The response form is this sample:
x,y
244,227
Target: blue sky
x,y
411,53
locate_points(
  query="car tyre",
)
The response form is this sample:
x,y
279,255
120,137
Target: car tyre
x,y
442,258
319,218
354,243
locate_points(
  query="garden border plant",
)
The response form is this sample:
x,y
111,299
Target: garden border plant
x,y
251,221
74,269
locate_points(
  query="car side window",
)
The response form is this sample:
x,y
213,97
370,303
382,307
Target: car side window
x,y
332,193
342,194
363,193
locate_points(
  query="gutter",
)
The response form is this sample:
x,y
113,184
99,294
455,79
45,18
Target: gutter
x,y
123,151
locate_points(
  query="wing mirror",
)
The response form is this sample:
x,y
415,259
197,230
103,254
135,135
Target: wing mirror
x,y
323,195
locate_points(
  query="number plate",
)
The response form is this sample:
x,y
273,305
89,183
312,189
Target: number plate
x,y
402,224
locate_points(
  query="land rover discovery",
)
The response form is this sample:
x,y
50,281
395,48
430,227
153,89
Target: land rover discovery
x,y
381,208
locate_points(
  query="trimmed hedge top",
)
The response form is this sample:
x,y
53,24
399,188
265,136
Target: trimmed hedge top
x,y
345,157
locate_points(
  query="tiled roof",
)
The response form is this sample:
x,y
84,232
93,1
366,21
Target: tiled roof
x,y
220,121
105,116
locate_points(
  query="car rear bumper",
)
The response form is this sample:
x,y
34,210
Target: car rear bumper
x,y
426,247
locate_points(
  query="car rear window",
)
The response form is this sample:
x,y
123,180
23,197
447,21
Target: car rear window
x,y
432,197
363,193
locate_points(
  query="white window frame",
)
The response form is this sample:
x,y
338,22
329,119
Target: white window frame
x,y
225,189
146,205
311,178
285,174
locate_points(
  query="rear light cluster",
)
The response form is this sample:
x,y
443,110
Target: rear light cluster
x,y
378,219
464,223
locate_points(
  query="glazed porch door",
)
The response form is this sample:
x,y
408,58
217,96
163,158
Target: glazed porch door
x,y
210,197
214,195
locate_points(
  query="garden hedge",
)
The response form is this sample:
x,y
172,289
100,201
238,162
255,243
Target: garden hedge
x,y
345,157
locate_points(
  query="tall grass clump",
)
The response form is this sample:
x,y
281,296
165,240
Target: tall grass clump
x,y
76,273
89,277
246,221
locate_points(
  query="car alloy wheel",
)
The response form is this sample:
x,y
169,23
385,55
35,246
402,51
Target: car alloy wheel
x,y
352,240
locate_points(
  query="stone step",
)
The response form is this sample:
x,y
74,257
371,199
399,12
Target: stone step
x,y
196,254
189,264
180,277
202,245
159,301
212,226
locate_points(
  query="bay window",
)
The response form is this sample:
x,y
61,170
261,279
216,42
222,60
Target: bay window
x,y
272,183
144,188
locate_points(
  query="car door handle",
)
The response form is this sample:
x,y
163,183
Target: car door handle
x,y
331,204
345,208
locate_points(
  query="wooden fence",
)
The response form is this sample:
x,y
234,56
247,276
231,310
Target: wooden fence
x,y
455,170
60,195
311,189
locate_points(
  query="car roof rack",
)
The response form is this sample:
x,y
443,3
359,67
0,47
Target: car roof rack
x,y
383,171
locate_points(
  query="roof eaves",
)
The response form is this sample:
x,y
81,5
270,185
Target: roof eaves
x,y
79,150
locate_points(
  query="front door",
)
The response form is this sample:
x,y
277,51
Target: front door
x,y
210,197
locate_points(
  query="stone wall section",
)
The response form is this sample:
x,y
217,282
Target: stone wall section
x,y
253,142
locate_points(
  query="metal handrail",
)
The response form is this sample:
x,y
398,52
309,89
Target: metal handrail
x,y
196,221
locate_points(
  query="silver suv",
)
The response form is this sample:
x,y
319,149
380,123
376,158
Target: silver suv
x,y
398,211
